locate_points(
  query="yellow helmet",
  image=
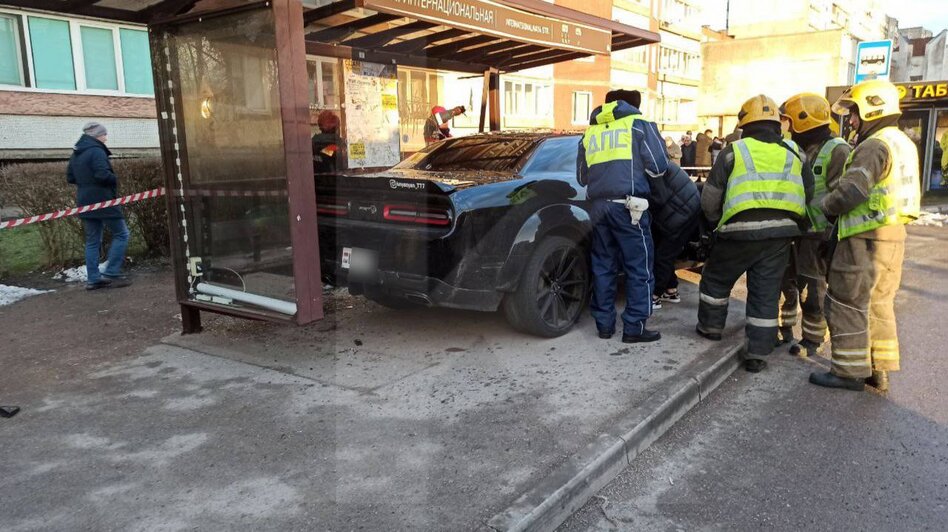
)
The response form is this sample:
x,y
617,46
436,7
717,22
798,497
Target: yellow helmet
x,y
806,111
876,98
758,108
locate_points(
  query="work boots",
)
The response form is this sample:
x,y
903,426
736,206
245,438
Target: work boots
x,y
805,348
784,336
829,380
879,380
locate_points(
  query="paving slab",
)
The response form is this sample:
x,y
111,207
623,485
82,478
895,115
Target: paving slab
x,y
374,419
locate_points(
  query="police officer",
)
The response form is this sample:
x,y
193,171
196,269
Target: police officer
x,y
878,193
618,153
825,154
756,195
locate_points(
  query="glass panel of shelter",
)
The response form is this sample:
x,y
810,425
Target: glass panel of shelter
x,y
231,183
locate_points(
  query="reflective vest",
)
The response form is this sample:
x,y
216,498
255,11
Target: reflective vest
x,y
609,140
765,176
818,220
896,198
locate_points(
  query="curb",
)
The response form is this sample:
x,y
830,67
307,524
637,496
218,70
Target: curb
x,y
567,489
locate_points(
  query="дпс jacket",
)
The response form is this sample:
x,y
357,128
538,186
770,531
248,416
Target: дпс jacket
x,y
755,224
90,170
617,179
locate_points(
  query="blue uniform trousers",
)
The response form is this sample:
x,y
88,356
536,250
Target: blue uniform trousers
x,y
616,241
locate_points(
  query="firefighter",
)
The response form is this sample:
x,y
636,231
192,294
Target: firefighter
x,y
618,153
756,195
825,154
878,193
789,292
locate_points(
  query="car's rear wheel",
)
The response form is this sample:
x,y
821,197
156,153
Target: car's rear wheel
x,y
553,289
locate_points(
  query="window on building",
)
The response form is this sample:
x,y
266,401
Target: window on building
x,y
526,99
582,107
98,58
51,43
136,61
323,83
679,63
11,60
59,54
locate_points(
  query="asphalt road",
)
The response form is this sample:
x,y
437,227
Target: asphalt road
x,y
772,451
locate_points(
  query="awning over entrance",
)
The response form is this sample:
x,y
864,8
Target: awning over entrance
x,y
460,35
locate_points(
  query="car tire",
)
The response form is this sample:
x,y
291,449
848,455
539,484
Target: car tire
x,y
553,289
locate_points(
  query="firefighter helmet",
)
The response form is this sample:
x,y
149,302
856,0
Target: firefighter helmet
x,y
758,108
875,98
806,111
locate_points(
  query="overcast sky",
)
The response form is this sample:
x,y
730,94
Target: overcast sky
x,y
932,14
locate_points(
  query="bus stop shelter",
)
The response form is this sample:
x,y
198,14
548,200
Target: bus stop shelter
x,y
232,90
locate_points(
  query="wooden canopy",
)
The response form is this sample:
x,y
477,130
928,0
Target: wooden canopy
x,y
459,35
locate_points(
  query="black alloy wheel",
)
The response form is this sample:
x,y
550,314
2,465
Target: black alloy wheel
x,y
553,289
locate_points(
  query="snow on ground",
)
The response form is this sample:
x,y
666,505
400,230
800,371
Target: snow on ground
x,y
75,275
932,218
11,294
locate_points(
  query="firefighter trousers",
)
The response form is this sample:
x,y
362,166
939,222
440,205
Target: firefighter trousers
x,y
804,288
764,261
860,306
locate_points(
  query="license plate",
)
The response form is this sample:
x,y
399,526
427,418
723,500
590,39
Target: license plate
x,y
359,260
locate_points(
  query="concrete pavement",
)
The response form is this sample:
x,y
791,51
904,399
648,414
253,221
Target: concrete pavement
x,y
772,451
372,419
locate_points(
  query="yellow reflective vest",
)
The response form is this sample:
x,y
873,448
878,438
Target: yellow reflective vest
x,y
818,221
894,199
765,176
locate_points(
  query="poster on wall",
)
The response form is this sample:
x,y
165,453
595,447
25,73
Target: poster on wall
x,y
371,114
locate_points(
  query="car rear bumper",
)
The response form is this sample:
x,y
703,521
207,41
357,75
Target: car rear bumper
x,y
424,290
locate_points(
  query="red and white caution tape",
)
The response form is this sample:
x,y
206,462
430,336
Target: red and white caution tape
x,y
154,193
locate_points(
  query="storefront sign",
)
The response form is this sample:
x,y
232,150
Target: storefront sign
x,y
913,92
502,21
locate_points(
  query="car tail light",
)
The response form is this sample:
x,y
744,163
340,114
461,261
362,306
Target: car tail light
x,y
333,208
416,215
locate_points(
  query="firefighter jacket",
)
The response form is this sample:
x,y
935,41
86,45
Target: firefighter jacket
x,y
879,189
758,188
826,160
619,152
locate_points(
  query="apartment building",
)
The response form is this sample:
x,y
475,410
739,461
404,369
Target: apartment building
x,y
919,55
782,47
57,73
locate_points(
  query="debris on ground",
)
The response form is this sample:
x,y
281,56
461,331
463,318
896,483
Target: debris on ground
x,y
932,219
11,294
9,411
76,275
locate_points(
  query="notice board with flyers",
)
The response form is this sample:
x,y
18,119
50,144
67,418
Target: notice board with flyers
x,y
371,104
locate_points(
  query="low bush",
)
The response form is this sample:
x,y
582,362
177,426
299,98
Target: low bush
x,y
38,188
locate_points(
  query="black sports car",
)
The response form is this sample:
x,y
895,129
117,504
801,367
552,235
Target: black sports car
x,y
480,222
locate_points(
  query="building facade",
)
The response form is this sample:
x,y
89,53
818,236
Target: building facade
x,y
57,73
784,47
918,55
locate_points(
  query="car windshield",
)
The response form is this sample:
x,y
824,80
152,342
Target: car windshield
x,y
471,153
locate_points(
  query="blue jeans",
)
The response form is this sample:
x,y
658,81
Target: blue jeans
x,y
93,228
616,242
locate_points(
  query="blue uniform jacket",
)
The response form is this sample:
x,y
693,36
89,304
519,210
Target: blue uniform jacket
x,y
617,179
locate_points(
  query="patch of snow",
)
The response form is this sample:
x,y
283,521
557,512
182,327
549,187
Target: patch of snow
x,y
932,219
76,275
11,294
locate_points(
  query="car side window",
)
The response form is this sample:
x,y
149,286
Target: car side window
x,y
554,156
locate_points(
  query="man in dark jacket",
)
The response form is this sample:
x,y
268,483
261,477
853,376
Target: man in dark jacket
x,y
756,195
618,155
675,206
90,170
688,153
